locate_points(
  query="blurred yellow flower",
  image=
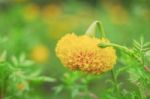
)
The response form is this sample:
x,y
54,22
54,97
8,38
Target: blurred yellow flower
x,y
118,14
40,54
145,13
50,11
31,12
82,53
60,27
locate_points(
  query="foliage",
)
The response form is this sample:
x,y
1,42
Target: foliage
x,y
133,61
16,75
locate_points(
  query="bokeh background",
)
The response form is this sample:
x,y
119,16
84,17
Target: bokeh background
x,y
34,27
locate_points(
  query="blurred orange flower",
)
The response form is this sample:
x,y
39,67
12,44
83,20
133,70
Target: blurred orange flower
x,y
40,54
145,13
118,13
21,86
60,27
50,11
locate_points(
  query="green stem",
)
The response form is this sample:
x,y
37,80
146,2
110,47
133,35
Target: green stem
x,y
3,89
0,92
91,31
141,93
123,48
116,83
103,45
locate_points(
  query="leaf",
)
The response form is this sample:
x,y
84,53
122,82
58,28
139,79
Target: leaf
x,y
75,92
58,89
3,56
121,70
135,43
147,44
146,49
42,78
109,81
14,61
124,92
3,39
35,73
142,41
22,58
5,69
28,63
23,61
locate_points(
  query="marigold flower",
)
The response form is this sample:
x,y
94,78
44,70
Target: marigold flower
x,y
82,53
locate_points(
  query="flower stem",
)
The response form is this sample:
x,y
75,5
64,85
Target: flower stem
x,y
116,83
91,31
141,94
123,48
103,45
2,90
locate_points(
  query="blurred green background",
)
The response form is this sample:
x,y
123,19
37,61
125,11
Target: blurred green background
x,y
34,27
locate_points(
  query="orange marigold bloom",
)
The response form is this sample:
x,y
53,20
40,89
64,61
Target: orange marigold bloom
x,y
82,53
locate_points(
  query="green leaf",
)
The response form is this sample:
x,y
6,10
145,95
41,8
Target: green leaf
x,y
14,61
122,69
137,44
110,81
3,56
42,78
3,39
5,69
22,58
146,49
74,93
35,73
147,44
58,89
